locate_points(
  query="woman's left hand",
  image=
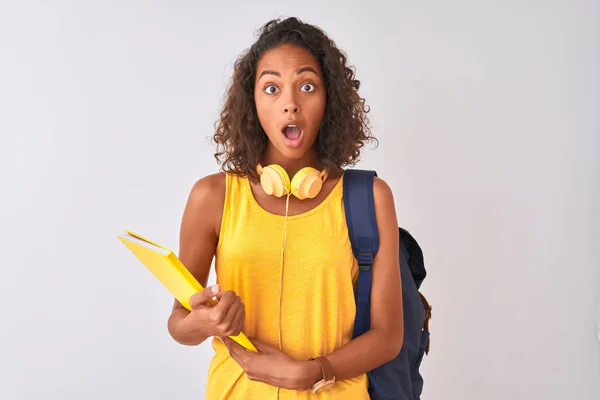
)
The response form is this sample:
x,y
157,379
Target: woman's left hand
x,y
271,365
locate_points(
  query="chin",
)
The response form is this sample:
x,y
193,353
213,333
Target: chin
x,y
293,154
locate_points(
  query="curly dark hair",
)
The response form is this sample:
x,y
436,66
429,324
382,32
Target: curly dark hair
x,y
239,136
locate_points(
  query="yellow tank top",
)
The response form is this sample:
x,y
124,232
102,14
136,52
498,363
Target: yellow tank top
x,y
317,298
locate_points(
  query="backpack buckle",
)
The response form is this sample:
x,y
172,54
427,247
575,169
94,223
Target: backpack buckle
x,y
365,261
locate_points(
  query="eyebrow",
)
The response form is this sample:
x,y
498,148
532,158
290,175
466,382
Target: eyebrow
x,y
301,70
306,69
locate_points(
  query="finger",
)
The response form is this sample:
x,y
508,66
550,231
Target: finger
x,y
238,360
219,311
203,296
227,342
230,348
227,324
222,294
234,349
225,300
236,320
231,313
263,347
239,320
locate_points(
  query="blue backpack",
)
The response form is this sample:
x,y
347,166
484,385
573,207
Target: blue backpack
x,y
400,378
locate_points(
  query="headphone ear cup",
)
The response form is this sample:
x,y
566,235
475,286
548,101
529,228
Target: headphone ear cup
x,y
275,181
307,183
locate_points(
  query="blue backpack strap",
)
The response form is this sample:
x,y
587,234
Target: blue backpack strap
x,y
362,227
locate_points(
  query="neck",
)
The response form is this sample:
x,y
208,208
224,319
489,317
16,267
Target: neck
x,y
291,166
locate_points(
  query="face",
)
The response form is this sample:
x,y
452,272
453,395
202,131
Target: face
x,y
290,98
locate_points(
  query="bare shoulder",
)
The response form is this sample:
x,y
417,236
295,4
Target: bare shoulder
x,y
382,194
208,191
385,213
210,184
206,198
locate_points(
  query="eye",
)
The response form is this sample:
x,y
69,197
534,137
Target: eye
x,y
271,89
308,87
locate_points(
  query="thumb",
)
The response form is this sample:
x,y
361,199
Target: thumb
x,y
203,296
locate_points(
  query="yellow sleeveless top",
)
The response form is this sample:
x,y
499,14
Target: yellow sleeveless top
x,y
317,299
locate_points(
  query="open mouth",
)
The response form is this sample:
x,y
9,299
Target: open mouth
x,y
292,134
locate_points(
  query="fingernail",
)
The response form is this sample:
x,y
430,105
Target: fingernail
x,y
215,289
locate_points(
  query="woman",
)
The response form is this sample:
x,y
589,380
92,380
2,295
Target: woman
x,y
285,268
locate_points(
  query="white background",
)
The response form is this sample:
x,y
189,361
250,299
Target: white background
x,y
487,115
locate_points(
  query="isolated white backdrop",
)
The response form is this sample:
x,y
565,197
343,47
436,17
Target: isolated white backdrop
x,y
487,114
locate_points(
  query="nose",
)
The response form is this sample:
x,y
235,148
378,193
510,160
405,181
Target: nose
x,y
290,105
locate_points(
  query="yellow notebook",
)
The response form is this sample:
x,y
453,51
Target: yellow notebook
x,y
171,272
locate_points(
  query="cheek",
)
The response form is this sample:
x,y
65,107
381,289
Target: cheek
x,y
317,110
268,121
263,111
265,104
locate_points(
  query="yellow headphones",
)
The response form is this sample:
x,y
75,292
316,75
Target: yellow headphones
x,y
306,184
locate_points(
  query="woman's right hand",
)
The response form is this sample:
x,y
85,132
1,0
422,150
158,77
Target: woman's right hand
x,y
226,318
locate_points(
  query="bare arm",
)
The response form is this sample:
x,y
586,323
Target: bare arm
x,y
384,340
198,240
